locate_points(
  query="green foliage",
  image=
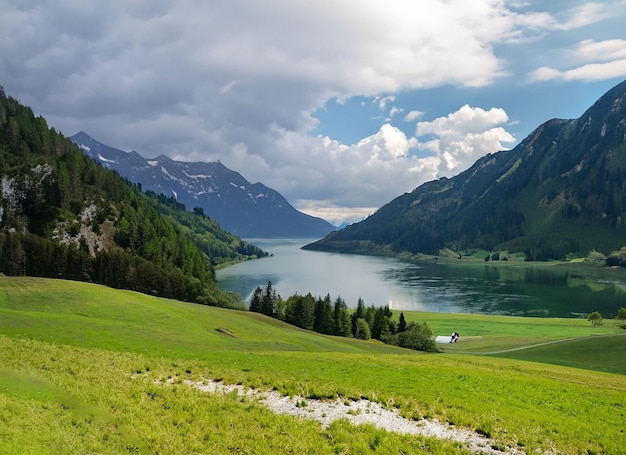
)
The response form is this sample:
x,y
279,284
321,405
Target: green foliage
x,y
341,319
595,318
417,336
268,300
217,245
617,258
362,331
300,311
324,321
64,216
365,323
402,323
621,314
256,300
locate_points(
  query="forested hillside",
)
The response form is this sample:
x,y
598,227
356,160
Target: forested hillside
x,y
560,192
63,215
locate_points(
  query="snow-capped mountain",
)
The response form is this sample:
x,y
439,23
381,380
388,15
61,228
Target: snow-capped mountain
x,y
249,210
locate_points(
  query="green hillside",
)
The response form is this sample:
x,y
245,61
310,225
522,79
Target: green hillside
x,y
64,216
559,193
82,368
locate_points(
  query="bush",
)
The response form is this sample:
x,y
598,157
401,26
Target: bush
x,y
595,318
617,258
596,257
362,331
417,336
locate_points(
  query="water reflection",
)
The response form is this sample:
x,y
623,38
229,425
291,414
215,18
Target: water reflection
x,y
488,289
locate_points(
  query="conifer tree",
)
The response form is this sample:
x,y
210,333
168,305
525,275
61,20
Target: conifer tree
x,y
255,301
401,323
341,319
268,299
358,314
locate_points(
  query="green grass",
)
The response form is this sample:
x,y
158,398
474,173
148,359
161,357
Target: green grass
x,y
78,365
559,341
599,354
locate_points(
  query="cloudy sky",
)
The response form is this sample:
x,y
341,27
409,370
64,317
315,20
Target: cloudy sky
x,y
340,105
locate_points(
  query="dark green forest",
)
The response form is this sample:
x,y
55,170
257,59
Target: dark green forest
x,y
62,215
322,315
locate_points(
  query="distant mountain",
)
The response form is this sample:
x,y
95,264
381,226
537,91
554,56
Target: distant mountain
x,y
561,191
249,210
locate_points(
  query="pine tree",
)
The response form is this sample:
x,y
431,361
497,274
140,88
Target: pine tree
x,y
401,323
255,301
358,314
324,322
341,319
380,324
268,299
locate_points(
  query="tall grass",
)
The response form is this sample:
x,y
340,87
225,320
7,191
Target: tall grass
x,y
79,364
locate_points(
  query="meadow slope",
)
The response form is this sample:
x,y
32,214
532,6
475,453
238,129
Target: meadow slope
x,y
83,366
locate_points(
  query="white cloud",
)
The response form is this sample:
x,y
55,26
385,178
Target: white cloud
x,y
382,101
279,61
588,13
413,115
467,119
601,60
462,137
333,213
589,72
395,110
341,182
226,88
608,50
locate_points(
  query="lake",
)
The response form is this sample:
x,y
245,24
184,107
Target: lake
x,y
489,289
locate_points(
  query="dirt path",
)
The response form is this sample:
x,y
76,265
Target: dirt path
x,y
546,343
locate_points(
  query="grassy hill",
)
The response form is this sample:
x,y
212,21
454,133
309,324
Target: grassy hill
x,y
78,365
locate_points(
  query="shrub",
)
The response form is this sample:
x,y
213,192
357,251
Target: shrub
x,y
417,336
362,331
595,318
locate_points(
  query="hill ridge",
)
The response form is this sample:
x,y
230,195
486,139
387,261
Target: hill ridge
x,y
559,192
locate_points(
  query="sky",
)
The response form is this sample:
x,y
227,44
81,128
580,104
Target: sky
x,y
341,106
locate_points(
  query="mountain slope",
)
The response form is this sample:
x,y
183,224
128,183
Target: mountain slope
x,y
562,190
246,209
62,215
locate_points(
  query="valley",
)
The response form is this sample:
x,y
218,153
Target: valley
x,y
111,317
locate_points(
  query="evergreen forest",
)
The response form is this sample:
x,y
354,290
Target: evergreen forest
x,y
62,215
322,315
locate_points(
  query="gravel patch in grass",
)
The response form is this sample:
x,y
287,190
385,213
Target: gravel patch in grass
x,y
358,412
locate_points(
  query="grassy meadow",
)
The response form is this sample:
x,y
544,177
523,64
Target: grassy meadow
x,y
79,365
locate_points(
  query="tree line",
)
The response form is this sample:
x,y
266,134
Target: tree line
x,y
323,315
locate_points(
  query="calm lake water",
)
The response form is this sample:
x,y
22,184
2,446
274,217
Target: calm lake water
x,y
488,289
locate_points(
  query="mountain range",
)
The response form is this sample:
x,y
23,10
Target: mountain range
x,y
249,210
560,193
